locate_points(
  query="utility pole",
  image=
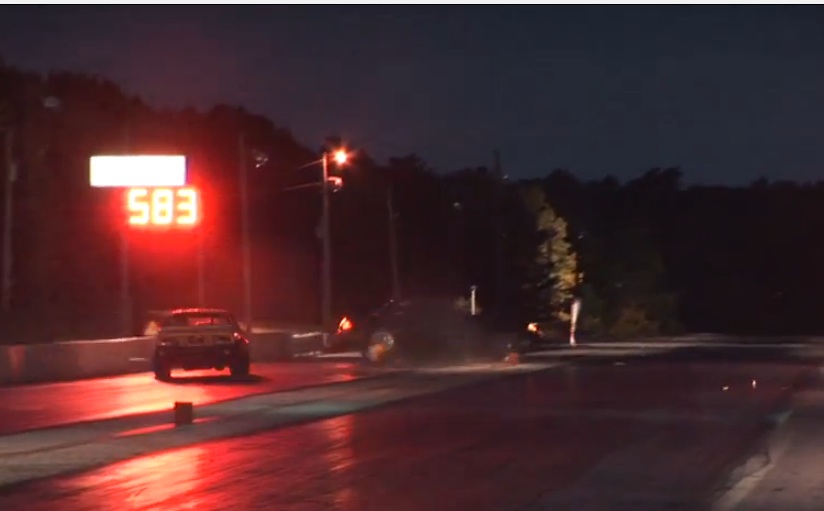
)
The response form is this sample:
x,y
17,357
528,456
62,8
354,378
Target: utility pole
x,y
8,219
500,269
246,248
326,303
125,276
10,135
393,246
201,266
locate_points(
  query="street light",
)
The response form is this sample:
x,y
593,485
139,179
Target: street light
x,y
340,157
334,184
328,184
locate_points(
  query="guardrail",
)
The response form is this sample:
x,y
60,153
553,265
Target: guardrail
x,y
76,360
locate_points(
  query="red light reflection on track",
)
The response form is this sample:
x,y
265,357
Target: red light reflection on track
x,y
341,456
167,480
37,406
501,445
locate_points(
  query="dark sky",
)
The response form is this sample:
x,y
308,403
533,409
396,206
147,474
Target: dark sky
x,y
727,93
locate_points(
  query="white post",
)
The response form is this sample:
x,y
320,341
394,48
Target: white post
x,y
575,310
473,304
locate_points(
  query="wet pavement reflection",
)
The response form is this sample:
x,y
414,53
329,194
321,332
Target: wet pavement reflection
x,y
42,405
493,446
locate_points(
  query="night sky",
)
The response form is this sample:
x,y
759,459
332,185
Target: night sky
x,y
726,93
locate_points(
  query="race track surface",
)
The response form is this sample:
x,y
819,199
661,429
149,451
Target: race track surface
x,y
43,405
639,433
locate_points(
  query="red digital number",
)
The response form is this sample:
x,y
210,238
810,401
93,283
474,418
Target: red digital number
x,y
163,207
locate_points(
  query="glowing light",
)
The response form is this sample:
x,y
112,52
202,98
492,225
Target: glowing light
x,y
152,329
138,206
335,183
137,171
163,207
340,156
188,204
345,325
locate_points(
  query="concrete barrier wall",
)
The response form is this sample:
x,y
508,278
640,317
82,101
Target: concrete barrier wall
x,y
76,360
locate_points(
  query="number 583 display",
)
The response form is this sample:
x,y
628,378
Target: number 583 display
x,y
163,207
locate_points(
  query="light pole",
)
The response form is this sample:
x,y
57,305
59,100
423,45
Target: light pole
x,y
340,158
501,284
326,274
245,243
8,221
201,267
48,103
259,160
393,246
126,306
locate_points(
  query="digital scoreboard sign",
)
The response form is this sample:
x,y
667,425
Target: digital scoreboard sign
x,y
156,191
162,207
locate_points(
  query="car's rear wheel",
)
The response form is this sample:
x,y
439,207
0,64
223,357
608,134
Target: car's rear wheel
x,y
381,347
240,367
162,370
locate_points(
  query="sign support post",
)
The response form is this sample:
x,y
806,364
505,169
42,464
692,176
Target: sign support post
x,y
172,206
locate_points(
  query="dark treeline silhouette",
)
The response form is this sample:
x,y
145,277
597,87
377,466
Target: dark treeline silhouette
x,y
646,256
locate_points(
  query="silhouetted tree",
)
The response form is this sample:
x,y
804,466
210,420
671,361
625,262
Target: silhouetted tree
x,y
551,274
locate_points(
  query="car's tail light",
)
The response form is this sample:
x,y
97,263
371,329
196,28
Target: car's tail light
x,y
239,338
345,325
152,328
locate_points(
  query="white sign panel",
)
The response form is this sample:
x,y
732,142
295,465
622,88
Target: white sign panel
x,y
137,170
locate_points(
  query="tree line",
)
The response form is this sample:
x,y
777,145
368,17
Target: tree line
x,y
646,256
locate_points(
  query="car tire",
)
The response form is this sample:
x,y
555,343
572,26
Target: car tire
x,y
162,371
241,367
380,357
